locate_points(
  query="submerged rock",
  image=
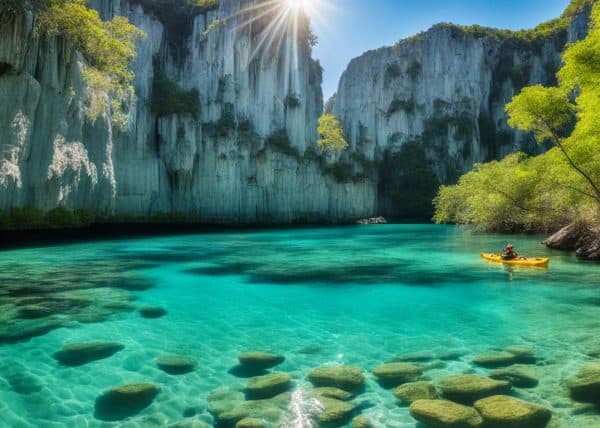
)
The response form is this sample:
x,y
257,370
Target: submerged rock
x,y
585,385
77,354
335,411
250,423
152,311
348,378
445,414
467,389
331,392
501,411
267,386
502,359
260,360
228,408
414,391
394,374
519,377
125,401
361,422
176,364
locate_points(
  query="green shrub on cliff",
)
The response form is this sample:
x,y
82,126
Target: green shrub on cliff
x,y
108,47
332,134
30,218
543,192
169,98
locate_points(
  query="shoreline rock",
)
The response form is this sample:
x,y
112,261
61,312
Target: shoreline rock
x,y
579,237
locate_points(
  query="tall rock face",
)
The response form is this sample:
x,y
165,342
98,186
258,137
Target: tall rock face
x,y
430,107
247,154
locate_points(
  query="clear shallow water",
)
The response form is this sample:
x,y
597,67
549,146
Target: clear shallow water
x,y
352,295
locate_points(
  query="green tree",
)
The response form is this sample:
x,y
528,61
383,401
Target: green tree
x,y
108,47
332,134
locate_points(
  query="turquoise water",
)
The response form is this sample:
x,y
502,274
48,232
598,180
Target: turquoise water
x,y
319,296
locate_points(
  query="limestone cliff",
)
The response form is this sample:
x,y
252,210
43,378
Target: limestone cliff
x,y
434,104
247,155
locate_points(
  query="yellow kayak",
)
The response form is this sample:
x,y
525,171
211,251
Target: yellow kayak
x,y
519,261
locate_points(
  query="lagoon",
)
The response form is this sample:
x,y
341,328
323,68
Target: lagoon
x,y
319,296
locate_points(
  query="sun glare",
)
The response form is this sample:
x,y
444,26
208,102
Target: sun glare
x,y
297,5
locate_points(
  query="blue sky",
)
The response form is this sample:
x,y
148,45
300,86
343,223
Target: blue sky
x,y
352,27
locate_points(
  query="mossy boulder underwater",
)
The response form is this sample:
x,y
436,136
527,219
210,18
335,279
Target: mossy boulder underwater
x,y
124,401
152,311
77,354
501,411
585,385
348,378
445,414
260,360
394,374
267,386
466,389
411,392
176,364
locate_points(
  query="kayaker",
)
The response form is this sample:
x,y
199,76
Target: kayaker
x,y
509,252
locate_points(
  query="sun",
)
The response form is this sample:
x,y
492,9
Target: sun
x,y
297,5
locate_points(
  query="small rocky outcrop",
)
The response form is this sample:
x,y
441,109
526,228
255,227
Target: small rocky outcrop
x,y
501,411
152,311
268,386
585,385
372,220
394,374
176,364
467,389
410,392
348,378
518,376
579,237
260,360
125,401
77,354
445,414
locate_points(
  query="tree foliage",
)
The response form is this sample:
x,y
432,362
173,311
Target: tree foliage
x,y
108,47
539,193
332,134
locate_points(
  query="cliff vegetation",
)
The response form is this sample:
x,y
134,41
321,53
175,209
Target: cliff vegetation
x,y
541,193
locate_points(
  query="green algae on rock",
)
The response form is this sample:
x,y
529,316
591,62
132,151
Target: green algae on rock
x,y
260,360
410,392
495,359
467,389
250,423
228,408
361,421
331,392
501,411
267,386
77,354
152,311
585,385
413,357
335,411
176,364
348,378
394,374
445,414
518,376
124,401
